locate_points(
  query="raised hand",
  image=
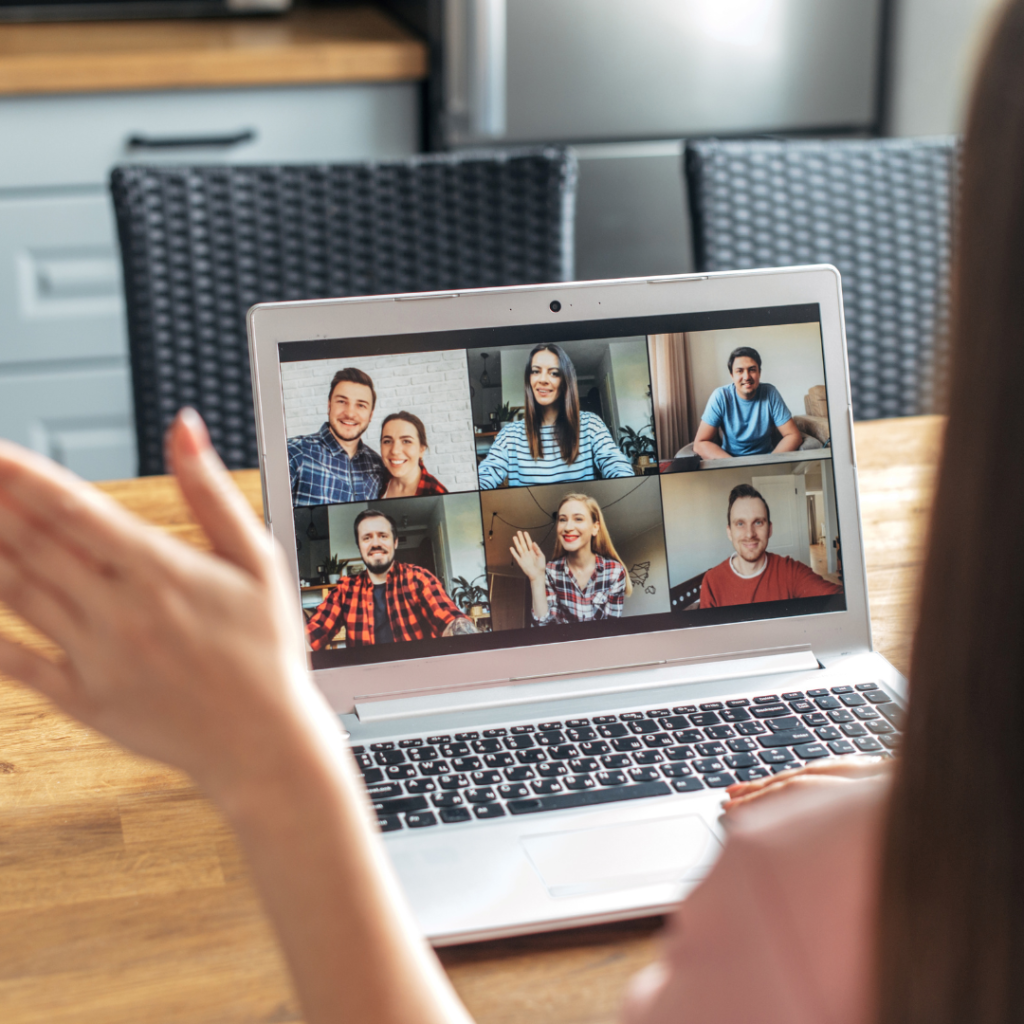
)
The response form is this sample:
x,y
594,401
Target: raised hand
x,y
528,556
175,653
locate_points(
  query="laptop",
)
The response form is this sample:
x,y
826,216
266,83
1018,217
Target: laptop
x,y
555,622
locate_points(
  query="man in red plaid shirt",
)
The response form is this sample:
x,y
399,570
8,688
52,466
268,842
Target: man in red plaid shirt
x,y
389,600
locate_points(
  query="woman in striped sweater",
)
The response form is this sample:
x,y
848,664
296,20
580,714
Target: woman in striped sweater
x,y
554,442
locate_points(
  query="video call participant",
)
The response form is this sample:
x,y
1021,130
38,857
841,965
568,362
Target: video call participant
x,y
388,601
745,412
587,579
555,442
403,441
753,574
333,465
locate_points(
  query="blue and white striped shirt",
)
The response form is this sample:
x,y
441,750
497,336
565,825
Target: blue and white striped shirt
x,y
323,474
509,457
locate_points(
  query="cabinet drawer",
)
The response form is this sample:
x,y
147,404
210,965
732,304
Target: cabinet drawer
x,y
75,140
81,417
60,279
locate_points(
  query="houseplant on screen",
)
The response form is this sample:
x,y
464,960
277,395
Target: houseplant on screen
x,y
637,446
470,597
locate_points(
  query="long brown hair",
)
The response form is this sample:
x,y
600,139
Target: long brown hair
x,y
567,426
602,543
950,944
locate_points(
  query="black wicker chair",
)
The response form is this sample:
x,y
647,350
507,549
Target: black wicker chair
x,y
880,210
200,245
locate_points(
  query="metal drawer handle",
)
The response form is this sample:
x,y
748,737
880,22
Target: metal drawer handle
x,y
190,141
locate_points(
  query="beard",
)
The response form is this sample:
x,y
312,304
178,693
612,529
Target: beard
x,y
379,563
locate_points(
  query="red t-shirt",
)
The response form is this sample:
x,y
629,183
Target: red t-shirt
x,y
781,579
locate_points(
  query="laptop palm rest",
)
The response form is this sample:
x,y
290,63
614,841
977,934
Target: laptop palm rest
x,y
639,853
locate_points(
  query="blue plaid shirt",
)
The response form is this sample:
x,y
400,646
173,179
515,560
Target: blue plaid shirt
x,y
323,474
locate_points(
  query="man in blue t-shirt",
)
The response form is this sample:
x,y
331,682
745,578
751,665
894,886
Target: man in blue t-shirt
x,y
743,414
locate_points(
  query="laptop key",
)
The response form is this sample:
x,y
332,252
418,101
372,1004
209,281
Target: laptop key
x,y
801,707
579,782
828,732
578,735
588,797
738,702
563,752
853,700
735,715
626,743
868,744
519,773
817,693
686,709
502,760
383,757
749,774
594,748
611,731
604,719
691,735
389,822
489,811
816,718
750,728
364,760
550,769
719,779
690,785
372,775
552,738
494,732
616,760
520,742
422,753
842,689
785,739
452,781
450,815
439,739
705,718
711,749
894,713
611,778
878,697
675,722
399,804
810,751
777,756
466,764
516,729
481,796
579,765
491,746
384,790
741,761
647,757
465,736
421,819
741,745
543,786
661,739
865,714
400,771
549,726
645,725
767,698
782,724
485,778
435,768
826,703
533,756
891,741
574,723
387,745
643,774
679,753
879,727
512,790
708,765
840,715
842,747
676,771
454,749
855,729
446,799
719,732
793,695
773,711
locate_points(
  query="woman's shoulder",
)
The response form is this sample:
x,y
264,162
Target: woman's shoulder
x,y
511,431
611,566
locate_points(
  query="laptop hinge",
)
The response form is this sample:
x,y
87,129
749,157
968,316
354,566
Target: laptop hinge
x,y
623,679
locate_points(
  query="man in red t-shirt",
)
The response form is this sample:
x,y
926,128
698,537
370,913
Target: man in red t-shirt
x,y
754,574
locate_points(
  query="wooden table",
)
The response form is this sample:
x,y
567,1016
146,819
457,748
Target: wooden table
x,y
347,44
122,894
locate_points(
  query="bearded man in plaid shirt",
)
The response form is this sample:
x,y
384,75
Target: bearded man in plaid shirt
x,y
387,602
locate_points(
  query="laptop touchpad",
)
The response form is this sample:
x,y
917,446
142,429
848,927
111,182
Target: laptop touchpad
x,y
626,856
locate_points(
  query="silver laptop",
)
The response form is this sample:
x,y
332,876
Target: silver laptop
x,y
573,558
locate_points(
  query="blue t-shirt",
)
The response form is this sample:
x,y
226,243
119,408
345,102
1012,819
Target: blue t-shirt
x,y
746,426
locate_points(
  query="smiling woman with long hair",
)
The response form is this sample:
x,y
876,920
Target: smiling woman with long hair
x,y
586,579
403,443
554,442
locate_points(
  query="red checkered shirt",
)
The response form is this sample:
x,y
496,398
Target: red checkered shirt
x,y
602,598
429,484
418,608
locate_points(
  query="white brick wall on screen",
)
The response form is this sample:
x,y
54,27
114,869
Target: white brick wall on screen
x,y
432,385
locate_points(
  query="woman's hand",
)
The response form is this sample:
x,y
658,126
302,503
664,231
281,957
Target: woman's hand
x,y
528,556
194,659
829,772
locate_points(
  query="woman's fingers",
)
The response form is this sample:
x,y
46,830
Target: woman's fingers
x,y
219,506
851,767
51,680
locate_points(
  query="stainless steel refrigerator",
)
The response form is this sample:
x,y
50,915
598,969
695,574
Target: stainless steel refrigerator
x,y
625,82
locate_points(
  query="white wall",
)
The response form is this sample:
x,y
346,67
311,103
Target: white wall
x,y
464,539
647,547
431,385
695,505
790,359
936,46
631,375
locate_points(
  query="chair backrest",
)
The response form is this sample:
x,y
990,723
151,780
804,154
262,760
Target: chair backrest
x,y
880,210
200,245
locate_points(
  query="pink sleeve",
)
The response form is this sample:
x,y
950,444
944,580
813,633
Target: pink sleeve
x,y
779,931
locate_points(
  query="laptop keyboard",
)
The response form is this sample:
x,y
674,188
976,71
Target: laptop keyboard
x,y
437,780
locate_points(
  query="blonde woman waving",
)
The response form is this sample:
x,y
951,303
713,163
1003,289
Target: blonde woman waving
x,y
587,579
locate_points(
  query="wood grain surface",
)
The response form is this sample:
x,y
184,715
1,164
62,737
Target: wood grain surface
x,y
347,44
122,894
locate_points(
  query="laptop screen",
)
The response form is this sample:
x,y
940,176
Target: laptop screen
x,y
483,489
